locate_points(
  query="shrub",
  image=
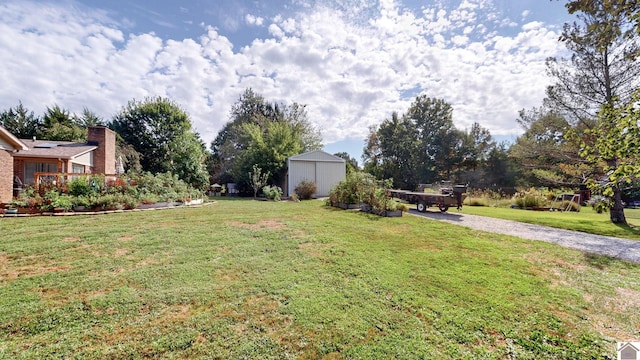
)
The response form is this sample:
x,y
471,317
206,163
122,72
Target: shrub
x,y
79,186
402,207
83,201
272,192
531,198
354,189
306,189
600,203
572,206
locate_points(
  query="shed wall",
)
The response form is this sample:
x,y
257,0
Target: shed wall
x,y
324,174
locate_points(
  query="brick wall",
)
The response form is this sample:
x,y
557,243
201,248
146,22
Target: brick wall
x,y
104,157
6,176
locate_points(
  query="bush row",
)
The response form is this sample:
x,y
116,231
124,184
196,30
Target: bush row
x,y
97,192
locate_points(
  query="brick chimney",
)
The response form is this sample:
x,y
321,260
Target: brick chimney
x,y
104,157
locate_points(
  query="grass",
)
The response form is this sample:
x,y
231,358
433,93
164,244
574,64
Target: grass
x,y
586,220
246,279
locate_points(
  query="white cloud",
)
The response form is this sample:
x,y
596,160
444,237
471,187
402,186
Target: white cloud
x,y
253,20
350,74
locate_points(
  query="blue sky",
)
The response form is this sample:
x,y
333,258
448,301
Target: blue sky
x,y
353,62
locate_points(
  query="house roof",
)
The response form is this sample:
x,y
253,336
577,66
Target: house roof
x,y
317,155
54,149
11,139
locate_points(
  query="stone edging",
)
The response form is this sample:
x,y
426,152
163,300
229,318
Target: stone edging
x,y
104,212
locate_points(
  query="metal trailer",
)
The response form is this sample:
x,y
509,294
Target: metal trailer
x,y
446,199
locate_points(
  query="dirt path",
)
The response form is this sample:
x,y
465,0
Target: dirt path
x,y
597,244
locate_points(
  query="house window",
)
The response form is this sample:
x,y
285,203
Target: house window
x,y
77,169
31,168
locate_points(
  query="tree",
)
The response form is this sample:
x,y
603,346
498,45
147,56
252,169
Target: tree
x,y
603,67
500,170
600,79
351,163
614,145
544,152
20,122
269,147
423,146
437,137
473,150
59,124
260,133
89,118
160,131
258,179
397,143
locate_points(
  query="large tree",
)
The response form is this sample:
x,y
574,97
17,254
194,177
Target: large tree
x,y
602,69
61,125
21,122
437,137
392,152
261,133
423,146
614,145
161,132
544,152
601,76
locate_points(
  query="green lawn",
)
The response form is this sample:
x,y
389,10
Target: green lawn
x,y
586,220
245,279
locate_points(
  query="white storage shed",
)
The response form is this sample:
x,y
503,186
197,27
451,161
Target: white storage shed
x,y
324,169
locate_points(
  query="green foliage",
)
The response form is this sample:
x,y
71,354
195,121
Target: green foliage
x,y
306,189
614,146
263,134
546,155
600,203
353,189
531,198
602,68
258,179
60,125
160,131
351,163
272,192
53,199
80,186
487,197
97,193
20,122
423,145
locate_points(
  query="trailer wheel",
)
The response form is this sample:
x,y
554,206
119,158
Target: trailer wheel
x,y
443,208
422,207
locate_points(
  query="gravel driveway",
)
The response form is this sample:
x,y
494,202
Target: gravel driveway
x,y
604,245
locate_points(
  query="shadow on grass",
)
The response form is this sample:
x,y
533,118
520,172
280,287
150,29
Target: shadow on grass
x,y
631,229
599,261
602,262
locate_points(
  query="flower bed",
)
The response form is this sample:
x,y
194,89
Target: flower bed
x,y
95,193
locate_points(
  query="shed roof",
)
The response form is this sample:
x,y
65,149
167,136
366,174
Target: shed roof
x,y
317,155
48,149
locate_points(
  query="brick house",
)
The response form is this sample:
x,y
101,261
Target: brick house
x,y
31,156
9,145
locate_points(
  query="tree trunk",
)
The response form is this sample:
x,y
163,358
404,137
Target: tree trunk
x,y
616,213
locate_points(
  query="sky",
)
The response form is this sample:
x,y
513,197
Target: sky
x,y
352,62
